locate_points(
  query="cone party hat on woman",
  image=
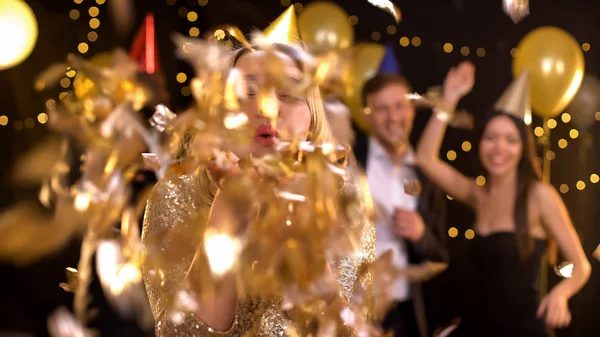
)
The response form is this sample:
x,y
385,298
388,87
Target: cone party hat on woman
x,y
284,29
516,99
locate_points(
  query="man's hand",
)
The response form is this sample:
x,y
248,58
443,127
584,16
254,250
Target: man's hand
x,y
408,225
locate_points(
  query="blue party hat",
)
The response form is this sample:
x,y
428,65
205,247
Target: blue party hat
x,y
389,63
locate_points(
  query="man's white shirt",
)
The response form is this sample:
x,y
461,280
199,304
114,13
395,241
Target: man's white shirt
x,y
386,182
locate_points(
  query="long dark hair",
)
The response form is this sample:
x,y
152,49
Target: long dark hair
x,y
528,172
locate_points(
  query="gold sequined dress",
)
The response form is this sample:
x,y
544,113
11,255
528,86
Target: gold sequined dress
x,y
174,200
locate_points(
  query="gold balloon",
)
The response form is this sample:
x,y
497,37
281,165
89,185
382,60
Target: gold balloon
x,y
586,103
556,67
324,27
83,86
366,59
103,59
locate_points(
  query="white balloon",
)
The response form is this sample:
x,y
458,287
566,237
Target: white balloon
x,y
586,102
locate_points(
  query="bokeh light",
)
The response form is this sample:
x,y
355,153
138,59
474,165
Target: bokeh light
x,y
18,32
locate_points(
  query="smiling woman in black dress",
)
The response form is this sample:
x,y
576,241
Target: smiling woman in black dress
x,y
515,214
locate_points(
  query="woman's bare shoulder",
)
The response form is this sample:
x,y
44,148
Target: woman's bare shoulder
x,y
542,191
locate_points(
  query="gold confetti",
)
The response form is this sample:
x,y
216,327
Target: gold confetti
x,y
389,7
297,224
72,280
61,323
596,253
517,10
412,187
564,269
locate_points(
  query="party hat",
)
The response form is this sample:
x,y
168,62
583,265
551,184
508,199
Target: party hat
x,y
284,29
516,99
389,63
144,49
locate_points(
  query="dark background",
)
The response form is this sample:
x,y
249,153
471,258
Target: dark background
x,y
29,294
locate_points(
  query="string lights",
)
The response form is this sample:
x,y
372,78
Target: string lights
x,y
416,41
352,19
391,29
466,146
453,233
451,155
28,123
585,46
192,17
93,11
404,41
194,32
181,77
448,47
182,11
469,234
66,82
562,143
580,184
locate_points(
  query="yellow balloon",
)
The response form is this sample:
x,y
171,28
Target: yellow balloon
x,y
366,59
324,27
355,104
18,32
103,59
556,67
83,86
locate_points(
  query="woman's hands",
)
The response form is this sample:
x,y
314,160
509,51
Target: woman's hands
x,y
458,83
555,308
225,164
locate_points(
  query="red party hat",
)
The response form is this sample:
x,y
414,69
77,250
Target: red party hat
x,y
144,49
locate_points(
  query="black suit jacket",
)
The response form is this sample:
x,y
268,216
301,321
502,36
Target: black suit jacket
x,y
432,246
431,207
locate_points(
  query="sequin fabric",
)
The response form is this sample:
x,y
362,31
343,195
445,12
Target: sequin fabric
x,y
346,269
174,201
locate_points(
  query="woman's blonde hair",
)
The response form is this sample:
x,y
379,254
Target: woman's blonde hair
x,y
319,129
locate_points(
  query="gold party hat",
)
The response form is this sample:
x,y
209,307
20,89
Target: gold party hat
x,y
284,29
516,99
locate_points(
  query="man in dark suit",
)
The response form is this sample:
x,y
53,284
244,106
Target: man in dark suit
x,y
410,222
